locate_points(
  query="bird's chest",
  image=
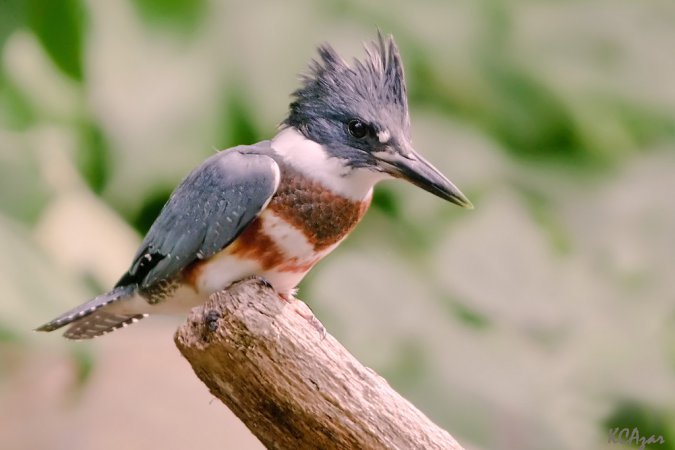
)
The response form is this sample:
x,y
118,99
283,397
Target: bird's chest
x,y
323,217
302,223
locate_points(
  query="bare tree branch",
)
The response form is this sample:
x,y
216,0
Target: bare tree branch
x,y
291,387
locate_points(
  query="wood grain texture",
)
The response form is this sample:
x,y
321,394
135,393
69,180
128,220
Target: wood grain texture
x,y
292,388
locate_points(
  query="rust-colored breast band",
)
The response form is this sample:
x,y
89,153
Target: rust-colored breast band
x,y
324,217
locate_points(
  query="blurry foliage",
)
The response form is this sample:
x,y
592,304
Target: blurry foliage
x,y
532,119
8,335
11,18
32,283
647,419
408,233
496,93
519,111
526,113
466,315
16,111
60,27
152,205
93,157
647,125
182,15
12,352
16,166
83,359
237,120
385,200
542,211
414,235
409,365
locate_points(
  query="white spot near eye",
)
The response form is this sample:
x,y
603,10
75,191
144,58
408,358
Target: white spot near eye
x,y
383,136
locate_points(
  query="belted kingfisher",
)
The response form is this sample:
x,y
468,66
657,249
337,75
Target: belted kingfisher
x,y
275,208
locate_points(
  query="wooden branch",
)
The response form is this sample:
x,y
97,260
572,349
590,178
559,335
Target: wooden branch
x,y
292,387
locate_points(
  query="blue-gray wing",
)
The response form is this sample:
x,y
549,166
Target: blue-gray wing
x,y
205,213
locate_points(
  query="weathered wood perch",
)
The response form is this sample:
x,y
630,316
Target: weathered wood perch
x,y
291,388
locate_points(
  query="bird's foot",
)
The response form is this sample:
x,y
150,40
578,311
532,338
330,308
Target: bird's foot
x,y
263,281
304,311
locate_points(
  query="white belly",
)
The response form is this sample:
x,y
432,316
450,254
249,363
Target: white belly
x,y
228,269
225,268
186,297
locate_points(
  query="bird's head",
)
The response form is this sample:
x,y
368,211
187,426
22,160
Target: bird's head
x,y
359,114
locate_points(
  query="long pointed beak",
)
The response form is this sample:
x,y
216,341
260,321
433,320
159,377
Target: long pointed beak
x,y
417,170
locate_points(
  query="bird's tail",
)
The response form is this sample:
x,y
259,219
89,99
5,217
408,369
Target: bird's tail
x,y
92,318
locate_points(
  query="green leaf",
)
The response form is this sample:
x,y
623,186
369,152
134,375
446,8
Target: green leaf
x,y
59,26
182,14
386,200
238,120
152,206
649,421
16,111
94,156
11,18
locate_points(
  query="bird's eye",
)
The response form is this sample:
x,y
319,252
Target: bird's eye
x,y
357,129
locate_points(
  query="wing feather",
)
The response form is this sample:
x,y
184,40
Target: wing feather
x,y
205,213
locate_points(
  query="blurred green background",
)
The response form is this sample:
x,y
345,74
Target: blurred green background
x,y
537,321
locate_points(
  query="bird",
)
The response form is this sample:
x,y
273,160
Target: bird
x,y
275,208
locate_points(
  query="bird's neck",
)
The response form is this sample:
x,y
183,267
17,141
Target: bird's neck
x,y
313,161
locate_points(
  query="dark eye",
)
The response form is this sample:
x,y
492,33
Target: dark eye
x,y
357,129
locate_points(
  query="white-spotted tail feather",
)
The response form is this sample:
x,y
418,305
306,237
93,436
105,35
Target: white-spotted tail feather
x,y
99,323
86,324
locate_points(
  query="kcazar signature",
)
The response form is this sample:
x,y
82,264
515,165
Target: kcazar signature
x,y
627,436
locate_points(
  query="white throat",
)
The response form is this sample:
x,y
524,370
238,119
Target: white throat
x,y
311,159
